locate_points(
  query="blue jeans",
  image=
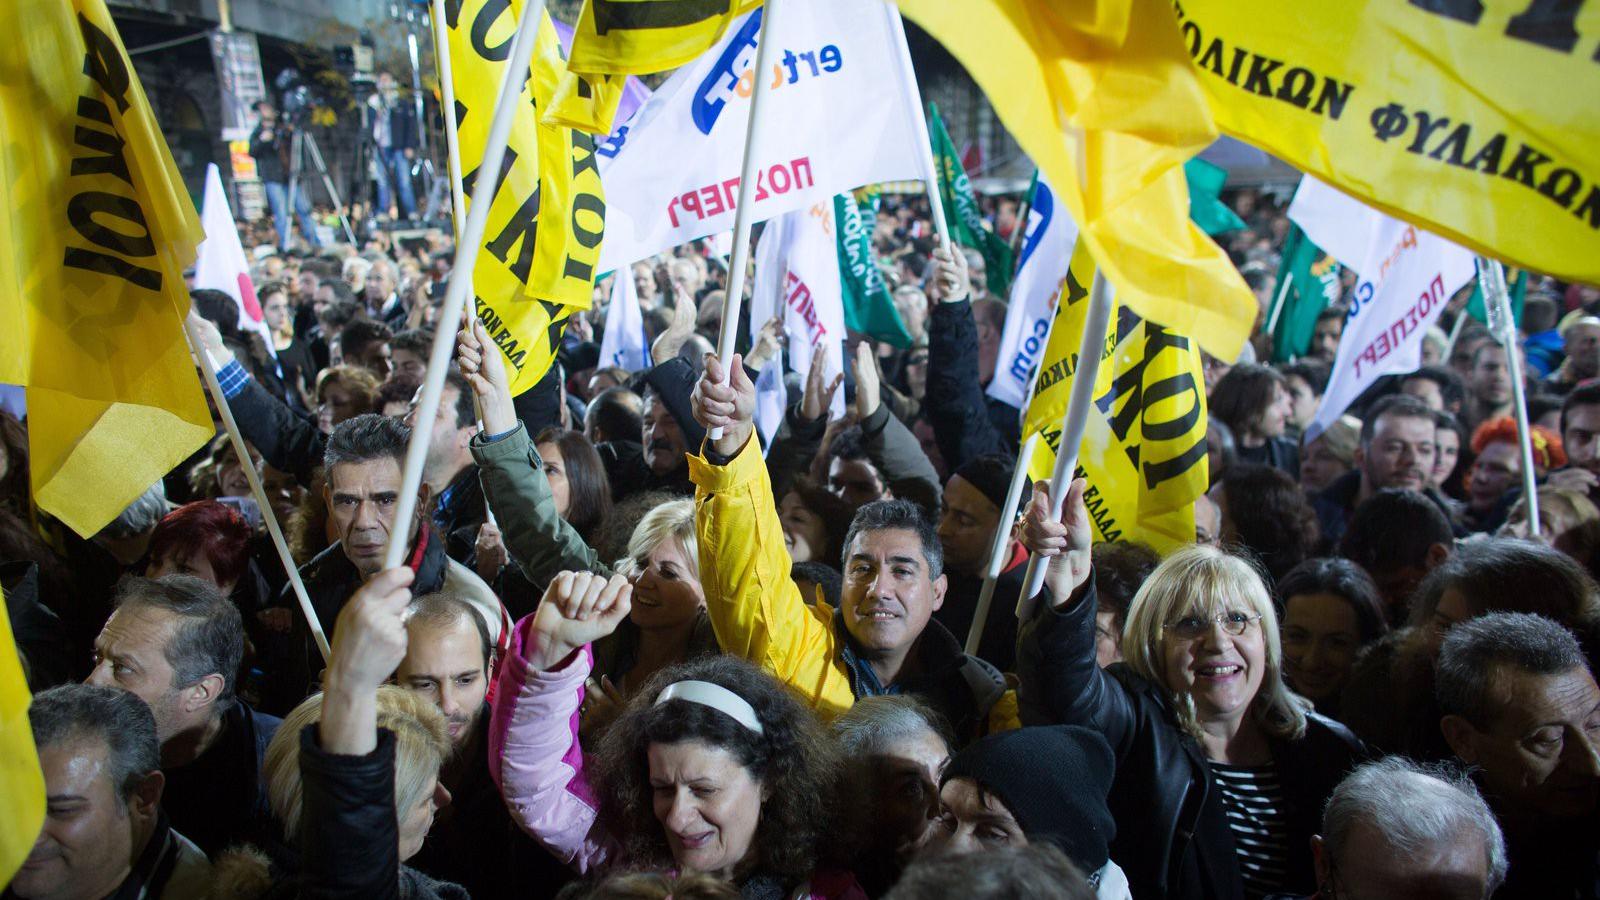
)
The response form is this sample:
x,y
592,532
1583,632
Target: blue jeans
x,y
397,168
278,199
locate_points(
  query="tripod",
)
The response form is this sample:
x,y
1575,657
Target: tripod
x,y
304,142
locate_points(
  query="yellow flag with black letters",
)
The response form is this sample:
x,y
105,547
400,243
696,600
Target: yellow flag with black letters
x,y
636,37
1144,444
21,781
537,262
96,228
1477,121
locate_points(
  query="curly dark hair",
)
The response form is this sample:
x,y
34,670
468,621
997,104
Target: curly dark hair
x,y
793,760
1271,517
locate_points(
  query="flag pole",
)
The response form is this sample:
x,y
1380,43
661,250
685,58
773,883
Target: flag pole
x,y
1001,543
1277,307
208,372
1081,398
447,94
455,299
1492,280
748,172
918,124
1455,333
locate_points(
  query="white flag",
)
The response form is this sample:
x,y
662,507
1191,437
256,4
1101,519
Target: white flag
x,y
797,271
1407,275
623,343
1046,251
771,400
220,261
838,116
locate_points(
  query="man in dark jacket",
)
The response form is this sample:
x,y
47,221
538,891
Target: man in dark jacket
x,y
473,841
270,146
966,421
973,498
363,461
1397,450
177,643
661,460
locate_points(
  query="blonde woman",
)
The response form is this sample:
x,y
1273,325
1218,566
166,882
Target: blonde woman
x,y
1221,771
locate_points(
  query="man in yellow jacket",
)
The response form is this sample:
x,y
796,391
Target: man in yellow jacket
x,y
881,640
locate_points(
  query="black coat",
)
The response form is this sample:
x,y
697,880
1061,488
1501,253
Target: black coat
x,y
1172,835
220,799
966,422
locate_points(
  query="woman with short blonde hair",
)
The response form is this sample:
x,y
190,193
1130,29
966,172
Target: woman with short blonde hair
x,y
1221,770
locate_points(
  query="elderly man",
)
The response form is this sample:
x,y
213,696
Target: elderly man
x,y
1394,829
175,642
1521,707
104,833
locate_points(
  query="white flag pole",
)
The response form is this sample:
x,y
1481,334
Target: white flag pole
x,y
455,299
447,87
918,124
1001,544
1081,398
748,170
1497,302
208,372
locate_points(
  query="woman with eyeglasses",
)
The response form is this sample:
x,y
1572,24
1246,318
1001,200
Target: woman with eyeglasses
x,y
1221,770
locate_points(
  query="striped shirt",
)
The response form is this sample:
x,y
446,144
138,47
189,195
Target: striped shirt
x,y
1252,797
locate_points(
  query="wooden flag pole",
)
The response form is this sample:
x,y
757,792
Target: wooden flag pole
x,y
1496,299
1001,544
209,374
1081,398
455,299
748,172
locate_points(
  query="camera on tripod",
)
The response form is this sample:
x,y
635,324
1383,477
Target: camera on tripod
x,y
297,98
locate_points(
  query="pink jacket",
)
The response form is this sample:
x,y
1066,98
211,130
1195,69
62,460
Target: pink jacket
x,y
536,759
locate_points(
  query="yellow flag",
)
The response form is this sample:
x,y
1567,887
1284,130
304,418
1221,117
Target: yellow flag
x,y
95,231
1479,122
536,264
21,782
1144,445
586,102
1100,95
635,37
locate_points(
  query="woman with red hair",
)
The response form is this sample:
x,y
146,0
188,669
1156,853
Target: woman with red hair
x,y
1493,482
206,539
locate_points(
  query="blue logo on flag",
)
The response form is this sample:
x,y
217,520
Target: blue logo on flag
x,y
722,81
1041,210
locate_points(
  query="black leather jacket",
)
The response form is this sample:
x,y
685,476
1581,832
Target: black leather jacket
x,y
1172,835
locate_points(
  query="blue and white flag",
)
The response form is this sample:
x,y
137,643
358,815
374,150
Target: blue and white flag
x,y
1046,250
623,343
841,113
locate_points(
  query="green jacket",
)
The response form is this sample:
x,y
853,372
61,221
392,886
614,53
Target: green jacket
x,y
538,540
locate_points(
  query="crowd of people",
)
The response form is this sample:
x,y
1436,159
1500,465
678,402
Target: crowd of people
x,y
638,651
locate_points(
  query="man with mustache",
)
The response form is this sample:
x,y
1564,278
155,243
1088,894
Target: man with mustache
x,y
1397,450
882,639
473,841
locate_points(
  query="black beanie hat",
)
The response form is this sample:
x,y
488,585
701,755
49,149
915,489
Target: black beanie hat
x,y
673,381
990,474
1054,780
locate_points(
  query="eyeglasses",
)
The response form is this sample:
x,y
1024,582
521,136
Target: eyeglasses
x,y
1191,627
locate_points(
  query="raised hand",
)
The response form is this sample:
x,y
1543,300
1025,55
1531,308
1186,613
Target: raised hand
x,y
819,387
489,552
868,381
369,641
669,342
950,282
578,608
211,339
729,405
1065,541
485,369
769,340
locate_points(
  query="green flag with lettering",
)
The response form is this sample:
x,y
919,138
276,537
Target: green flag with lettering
x,y
868,306
1517,287
1312,279
961,210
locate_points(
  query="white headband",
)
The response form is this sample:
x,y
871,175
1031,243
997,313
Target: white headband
x,y
715,696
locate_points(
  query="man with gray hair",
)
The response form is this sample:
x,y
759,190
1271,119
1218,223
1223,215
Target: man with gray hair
x,y
1393,829
176,643
1521,707
104,833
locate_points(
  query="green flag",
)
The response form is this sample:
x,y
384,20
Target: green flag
x,y
1205,197
868,307
1312,281
961,209
1518,289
